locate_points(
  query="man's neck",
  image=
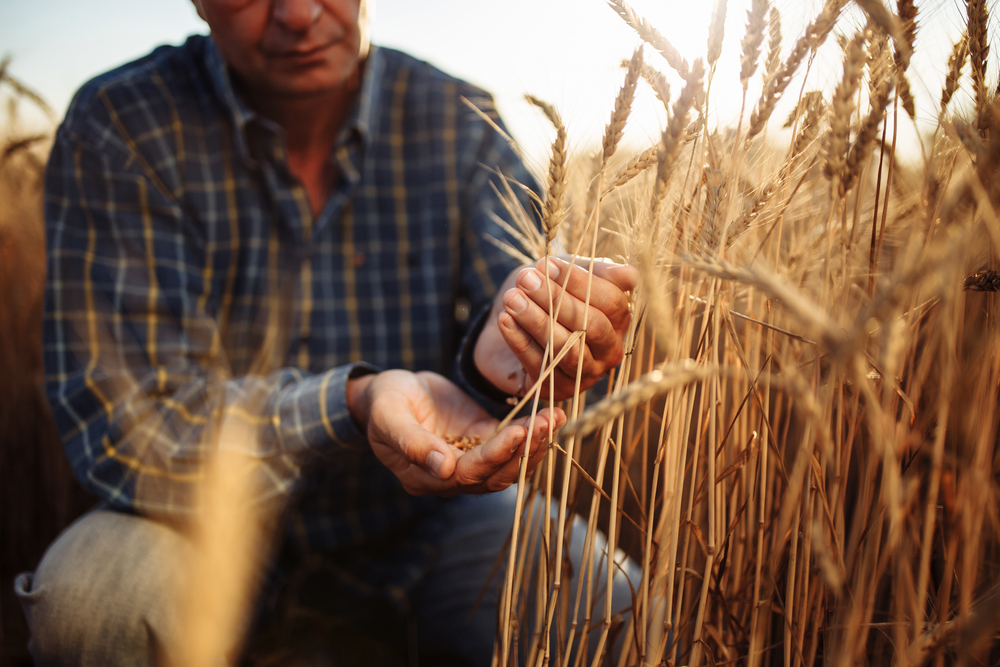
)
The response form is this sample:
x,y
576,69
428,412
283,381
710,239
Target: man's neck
x,y
312,124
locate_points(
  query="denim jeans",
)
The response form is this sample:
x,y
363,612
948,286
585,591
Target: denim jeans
x,y
106,591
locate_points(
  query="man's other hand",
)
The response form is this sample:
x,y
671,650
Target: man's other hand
x,y
510,348
407,415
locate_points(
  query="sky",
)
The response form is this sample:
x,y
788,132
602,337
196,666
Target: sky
x,y
567,52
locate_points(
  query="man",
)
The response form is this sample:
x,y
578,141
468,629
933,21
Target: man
x,y
245,229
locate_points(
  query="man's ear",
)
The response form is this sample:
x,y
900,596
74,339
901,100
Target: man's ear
x,y
201,12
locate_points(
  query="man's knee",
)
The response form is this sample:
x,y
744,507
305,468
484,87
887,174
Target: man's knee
x,y
463,578
105,592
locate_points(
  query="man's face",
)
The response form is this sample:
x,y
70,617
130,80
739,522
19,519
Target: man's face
x,y
290,47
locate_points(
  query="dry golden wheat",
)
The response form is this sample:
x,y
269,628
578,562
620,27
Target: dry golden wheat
x,y
716,32
754,37
553,209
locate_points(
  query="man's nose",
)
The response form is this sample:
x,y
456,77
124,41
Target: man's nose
x,y
296,15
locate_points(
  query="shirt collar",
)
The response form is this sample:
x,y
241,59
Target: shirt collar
x,y
359,121
364,112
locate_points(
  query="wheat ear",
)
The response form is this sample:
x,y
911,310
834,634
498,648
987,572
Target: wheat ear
x,y
650,35
753,211
659,381
842,108
819,326
553,210
809,110
716,32
773,45
880,16
907,11
657,82
754,37
979,50
814,36
983,281
880,84
956,61
623,107
632,168
676,130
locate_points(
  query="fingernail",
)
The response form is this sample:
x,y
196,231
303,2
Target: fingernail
x,y
517,304
518,439
531,280
553,270
508,323
435,461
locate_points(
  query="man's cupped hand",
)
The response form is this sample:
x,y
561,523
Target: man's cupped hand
x,y
407,416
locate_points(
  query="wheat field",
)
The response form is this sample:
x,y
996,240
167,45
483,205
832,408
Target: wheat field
x,y
799,449
801,440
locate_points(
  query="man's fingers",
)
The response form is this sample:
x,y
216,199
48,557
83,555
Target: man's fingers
x,y
520,341
603,337
410,414
529,353
624,276
539,445
534,321
607,288
477,466
397,429
495,465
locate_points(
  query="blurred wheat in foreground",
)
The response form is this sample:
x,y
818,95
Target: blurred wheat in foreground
x,y
38,496
801,440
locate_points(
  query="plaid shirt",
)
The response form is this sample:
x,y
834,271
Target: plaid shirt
x,y
189,285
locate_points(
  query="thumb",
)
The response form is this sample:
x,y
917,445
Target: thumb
x,y
413,444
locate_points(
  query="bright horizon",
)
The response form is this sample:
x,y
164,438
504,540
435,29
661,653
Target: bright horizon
x,y
567,52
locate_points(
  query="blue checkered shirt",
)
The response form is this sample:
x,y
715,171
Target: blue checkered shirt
x,y
194,301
